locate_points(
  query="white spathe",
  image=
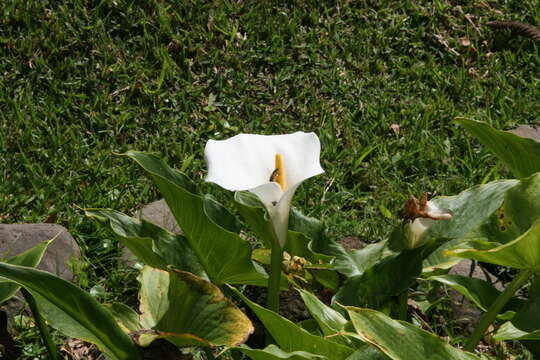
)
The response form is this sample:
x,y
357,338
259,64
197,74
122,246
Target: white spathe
x,y
416,230
246,162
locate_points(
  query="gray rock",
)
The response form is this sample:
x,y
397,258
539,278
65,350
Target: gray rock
x,y
527,131
464,268
463,311
158,212
16,238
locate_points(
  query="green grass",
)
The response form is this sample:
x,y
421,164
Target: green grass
x,y
84,79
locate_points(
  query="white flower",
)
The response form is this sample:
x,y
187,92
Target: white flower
x,y
270,166
421,215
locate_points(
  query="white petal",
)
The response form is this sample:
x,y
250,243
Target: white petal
x,y
437,213
246,161
417,231
280,214
268,193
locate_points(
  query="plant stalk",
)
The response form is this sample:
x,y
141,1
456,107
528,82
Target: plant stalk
x,y
275,277
42,326
495,308
208,354
403,305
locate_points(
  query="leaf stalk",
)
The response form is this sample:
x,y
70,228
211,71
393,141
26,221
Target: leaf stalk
x,y
42,325
495,308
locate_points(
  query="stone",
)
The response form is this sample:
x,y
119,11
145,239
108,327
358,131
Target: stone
x,y
463,311
464,268
527,131
17,238
158,212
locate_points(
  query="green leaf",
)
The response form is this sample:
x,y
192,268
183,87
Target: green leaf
x,y
354,263
312,228
349,263
330,321
31,257
252,210
522,253
327,278
225,256
401,340
525,324
471,208
189,311
291,337
272,352
519,211
151,244
73,311
479,291
389,277
368,353
125,317
521,155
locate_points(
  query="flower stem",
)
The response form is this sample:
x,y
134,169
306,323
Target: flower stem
x,y
495,308
42,326
275,277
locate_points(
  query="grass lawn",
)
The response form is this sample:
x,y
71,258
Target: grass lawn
x,y
82,80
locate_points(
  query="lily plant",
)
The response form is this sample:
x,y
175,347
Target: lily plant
x,y
272,167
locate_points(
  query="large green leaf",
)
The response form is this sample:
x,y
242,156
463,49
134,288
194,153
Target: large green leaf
x,y
401,340
151,244
479,291
522,253
73,311
210,229
355,262
389,277
31,257
368,353
329,320
518,212
521,155
189,311
290,337
471,208
126,317
272,352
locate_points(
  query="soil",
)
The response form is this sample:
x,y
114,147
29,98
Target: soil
x,y
351,243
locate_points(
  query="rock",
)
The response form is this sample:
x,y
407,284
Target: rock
x,y
464,268
463,311
158,212
527,131
16,238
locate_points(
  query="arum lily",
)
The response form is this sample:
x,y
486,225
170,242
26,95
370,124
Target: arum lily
x,y
421,215
270,166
